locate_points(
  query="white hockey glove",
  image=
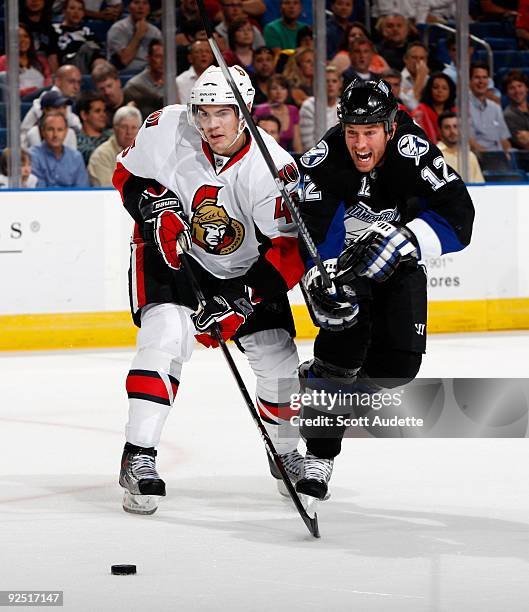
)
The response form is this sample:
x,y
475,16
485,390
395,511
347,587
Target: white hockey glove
x,y
165,224
333,309
378,252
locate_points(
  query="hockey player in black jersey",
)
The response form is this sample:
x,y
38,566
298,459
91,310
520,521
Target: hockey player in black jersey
x,y
378,199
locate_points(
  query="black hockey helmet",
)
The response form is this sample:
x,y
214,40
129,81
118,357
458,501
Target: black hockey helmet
x,y
367,102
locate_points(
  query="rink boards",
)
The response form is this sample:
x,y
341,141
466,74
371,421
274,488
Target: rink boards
x,y
64,260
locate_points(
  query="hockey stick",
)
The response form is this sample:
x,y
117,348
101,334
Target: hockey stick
x,y
311,523
302,228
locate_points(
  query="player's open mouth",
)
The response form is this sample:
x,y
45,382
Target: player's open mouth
x,y
363,157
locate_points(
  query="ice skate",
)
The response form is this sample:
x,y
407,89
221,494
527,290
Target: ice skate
x,y
315,477
293,462
138,476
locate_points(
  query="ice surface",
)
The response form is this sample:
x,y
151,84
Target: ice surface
x,y
411,525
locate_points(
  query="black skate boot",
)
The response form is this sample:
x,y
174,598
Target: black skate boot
x,y
293,462
315,477
139,478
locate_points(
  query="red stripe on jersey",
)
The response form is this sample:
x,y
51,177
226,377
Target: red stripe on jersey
x,y
120,177
284,256
279,411
139,259
239,155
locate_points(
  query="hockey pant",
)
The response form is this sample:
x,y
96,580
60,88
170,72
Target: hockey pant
x,y
165,342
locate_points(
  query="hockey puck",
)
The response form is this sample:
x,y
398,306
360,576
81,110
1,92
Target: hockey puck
x,y
122,570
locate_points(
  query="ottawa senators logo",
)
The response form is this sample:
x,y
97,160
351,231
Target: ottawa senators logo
x,y
211,226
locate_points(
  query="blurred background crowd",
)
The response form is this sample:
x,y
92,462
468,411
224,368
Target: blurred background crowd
x,y
92,70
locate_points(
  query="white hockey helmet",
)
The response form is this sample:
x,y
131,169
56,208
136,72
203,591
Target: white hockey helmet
x,y
212,88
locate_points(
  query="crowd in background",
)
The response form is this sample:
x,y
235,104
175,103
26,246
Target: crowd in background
x,y
92,70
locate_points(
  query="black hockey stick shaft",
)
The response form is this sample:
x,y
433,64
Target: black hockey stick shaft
x,y
311,523
302,228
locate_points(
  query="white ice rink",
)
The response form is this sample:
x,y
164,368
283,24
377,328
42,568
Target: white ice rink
x,y
422,524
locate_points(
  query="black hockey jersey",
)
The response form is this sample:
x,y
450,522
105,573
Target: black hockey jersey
x,y
413,185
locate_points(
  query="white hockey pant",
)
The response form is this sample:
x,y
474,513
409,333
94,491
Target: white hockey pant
x,y
165,342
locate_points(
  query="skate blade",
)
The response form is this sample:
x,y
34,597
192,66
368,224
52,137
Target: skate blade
x,y
140,504
310,504
282,488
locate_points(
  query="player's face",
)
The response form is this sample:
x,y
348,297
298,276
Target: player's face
x,y
366,145
440,91
449,131
220,126
517,91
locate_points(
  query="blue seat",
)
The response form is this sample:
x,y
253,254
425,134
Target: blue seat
x,y
24,107
520,160
3,115
99,27
506,59
3,138
513,176
86,83
502,44
494,29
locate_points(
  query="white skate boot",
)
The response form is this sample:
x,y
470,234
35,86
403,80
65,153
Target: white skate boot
x,y
293,462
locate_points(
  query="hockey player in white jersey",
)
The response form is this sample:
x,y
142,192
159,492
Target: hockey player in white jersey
x,y
194,181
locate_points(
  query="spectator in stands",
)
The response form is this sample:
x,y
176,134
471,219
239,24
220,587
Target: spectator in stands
x,y
51,102
441,11
438,96
271,125
92,110
516,114
394,79
264,65
335,85
233,10
110,12
34,72
499,9
414,74
288,114
395,32
128,39
449,147
107,83
305,38
489,132
67,82
522,24
27,179
336,24
188,21
76,42
36,14
146,88
299,72
361,55
281,33
200,57
54,164
415,11
240,42
342,59
127,122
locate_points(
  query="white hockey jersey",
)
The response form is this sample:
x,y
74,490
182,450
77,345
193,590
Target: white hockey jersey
x,y
225,199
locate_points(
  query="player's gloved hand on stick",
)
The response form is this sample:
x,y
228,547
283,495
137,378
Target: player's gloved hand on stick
x,y
335,308
378,252
165,224
229,309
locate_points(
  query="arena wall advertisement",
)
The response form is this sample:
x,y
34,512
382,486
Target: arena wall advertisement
x,y
64,261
